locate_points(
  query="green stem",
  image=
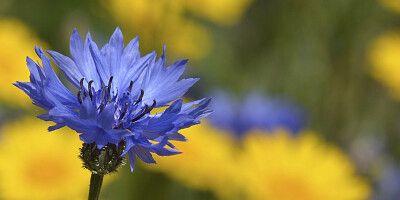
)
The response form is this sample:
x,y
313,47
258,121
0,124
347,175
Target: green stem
x,y
95,185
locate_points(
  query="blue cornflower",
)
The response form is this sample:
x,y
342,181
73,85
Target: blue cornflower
x,y
255,112
114,91
388,181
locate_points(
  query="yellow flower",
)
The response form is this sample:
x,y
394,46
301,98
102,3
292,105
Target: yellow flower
x,y
279,166
391,4
162,22
222,12
35,164
167,21
144,16
205,162
17,42
384,57
188,39
263,166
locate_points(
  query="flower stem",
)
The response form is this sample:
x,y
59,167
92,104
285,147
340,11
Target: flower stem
x,y
95,185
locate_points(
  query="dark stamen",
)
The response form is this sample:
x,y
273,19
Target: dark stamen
x,y
123,111
103,99
146,110
110,81
103,93
109,86
90,89
107,93
130,86
102,106
140,97
81,87
153,105
81,82
79,97
119,125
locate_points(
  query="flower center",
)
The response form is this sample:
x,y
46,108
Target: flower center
x,y
127,110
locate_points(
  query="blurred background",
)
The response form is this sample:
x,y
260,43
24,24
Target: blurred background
x,y
305,98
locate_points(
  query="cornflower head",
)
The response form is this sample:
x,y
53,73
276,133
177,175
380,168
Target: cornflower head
x,y
114,91
255,112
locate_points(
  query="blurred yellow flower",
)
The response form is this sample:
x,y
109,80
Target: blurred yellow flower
x,y
162,22
165,21
35,164
205,162
384,57
391,4
280,166
188,39
17,42
264,166
146,16
222,12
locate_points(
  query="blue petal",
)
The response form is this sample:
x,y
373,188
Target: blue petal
x,y
177,137
87,109
55,127
34,69
158,126
130,54
116,46
135,73
54,85
131,156
162,83
101,67
161,149
67,65
143,154
80,53
106,117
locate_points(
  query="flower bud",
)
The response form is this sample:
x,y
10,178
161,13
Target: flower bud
x,y
102,161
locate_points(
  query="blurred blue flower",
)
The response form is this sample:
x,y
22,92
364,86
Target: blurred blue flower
x,y
388,182
116,90
371,156
255,112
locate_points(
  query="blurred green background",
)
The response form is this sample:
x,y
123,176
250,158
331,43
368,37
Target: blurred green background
x,y
334,58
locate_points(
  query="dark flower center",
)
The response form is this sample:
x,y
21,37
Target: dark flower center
x,y
123,104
